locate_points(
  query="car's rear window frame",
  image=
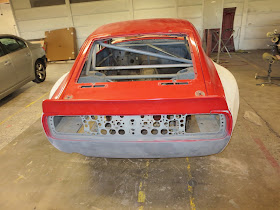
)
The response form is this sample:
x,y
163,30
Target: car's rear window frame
x,y
181,37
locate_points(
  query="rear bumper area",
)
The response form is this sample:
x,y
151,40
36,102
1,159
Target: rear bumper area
x,y
142,149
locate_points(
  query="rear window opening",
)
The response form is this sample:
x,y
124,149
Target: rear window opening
x,y
138,125
139,59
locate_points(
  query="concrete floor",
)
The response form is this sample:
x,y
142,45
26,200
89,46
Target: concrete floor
x,y
246,175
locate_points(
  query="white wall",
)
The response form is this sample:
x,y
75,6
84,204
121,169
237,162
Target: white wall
x,y
7,22
90,15
33,22
262,17
253,17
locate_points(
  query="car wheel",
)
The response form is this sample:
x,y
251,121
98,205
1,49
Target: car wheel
x,y
40,72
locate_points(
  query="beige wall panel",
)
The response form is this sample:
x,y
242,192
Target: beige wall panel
x,y
259,32
237,28
190,12
21,4
100,19
253,44
84,32
7,22
212,13
263,20
189,2
33,35
43,24
234,1
150,4
41,13
197,22
155,13
99,7
237,21
80,42
266,6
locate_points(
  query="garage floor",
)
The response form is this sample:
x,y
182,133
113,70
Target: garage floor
x,y
246,175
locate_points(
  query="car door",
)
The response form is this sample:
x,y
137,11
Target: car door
x,y
20,56
7,74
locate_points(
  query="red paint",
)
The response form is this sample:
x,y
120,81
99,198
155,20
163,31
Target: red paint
x,y
142,97
267,155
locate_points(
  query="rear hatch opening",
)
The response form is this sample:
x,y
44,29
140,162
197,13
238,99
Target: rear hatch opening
x,y
146,59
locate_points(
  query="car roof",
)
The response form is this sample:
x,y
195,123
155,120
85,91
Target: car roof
x,y
144,26
10,35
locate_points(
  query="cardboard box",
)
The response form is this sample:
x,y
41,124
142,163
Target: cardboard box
x,y
61,44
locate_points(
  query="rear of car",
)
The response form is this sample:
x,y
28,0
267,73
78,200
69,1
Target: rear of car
x,y
142,95
18,61
140,130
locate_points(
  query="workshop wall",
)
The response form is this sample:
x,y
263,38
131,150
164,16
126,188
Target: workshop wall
x,y
254,18
7,22
259,18
90,15
33,22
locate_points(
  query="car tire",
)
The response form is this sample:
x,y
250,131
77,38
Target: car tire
x,y
40,71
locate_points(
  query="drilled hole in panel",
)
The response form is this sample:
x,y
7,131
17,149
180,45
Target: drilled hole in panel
x,y
173,123
108,118
164,131
156,124
121,132
103,132
112,131
94,117
170,117
154,131
144,131
108,125
132,131
157,117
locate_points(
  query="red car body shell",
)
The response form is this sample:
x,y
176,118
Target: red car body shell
x,y
142,97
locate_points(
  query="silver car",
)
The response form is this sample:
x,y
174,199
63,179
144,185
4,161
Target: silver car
x,y
20,63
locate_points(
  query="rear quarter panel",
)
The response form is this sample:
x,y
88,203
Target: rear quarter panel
x,y
231,90
37,52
